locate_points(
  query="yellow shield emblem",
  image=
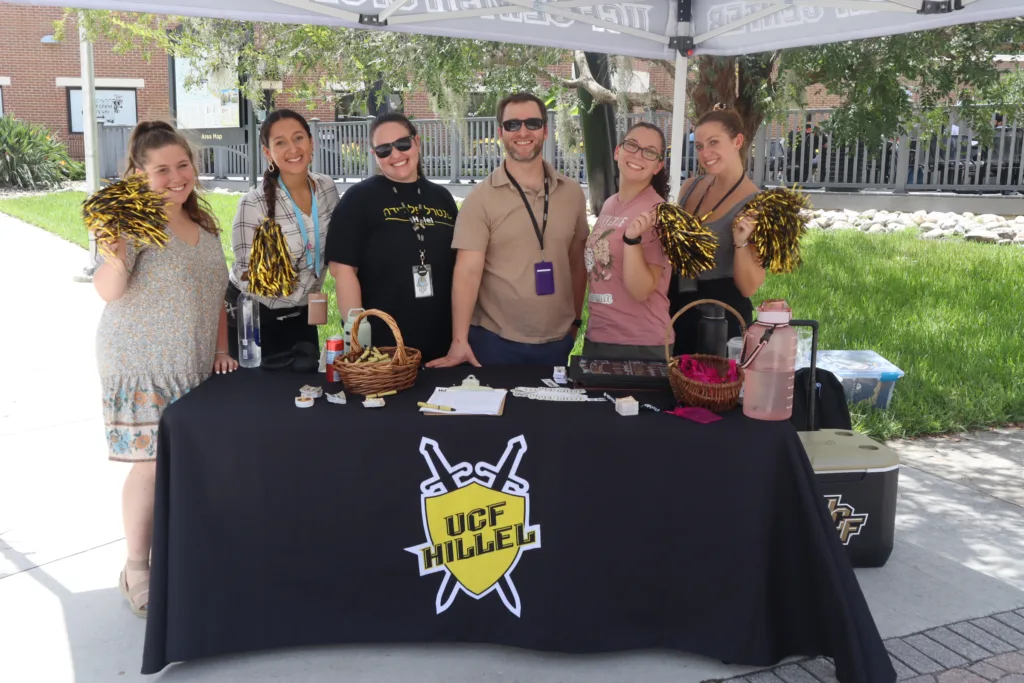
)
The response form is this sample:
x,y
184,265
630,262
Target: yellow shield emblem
x,y
476,520
482,526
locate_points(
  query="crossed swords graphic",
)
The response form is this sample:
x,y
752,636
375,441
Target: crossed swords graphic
x,y
501,477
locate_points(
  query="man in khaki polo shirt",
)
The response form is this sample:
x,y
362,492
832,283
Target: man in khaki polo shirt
x,y
519,280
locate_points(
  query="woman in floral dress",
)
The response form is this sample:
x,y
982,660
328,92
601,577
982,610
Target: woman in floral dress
x,y
162,332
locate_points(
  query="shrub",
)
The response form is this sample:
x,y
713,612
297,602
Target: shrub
x,y
31,158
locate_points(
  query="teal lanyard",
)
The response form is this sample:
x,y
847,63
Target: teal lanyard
x,y
315,256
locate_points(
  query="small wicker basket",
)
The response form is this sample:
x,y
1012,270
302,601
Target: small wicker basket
x,y
373,378
714,397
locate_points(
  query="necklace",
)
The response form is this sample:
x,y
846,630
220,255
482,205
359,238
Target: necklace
x,y
721,201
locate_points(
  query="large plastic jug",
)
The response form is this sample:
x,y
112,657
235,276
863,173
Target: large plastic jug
x,y
769,355
364,330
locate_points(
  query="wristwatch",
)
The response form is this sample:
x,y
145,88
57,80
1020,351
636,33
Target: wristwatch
x,y
633,241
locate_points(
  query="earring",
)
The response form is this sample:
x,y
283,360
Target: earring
x,y
271,167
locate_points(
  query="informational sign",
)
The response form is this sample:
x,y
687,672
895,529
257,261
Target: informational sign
x,y
215,137
113,107
210,103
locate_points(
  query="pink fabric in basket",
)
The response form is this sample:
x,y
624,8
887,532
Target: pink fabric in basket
x,y
699,372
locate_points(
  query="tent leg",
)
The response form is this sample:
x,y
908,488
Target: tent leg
x,y
679,132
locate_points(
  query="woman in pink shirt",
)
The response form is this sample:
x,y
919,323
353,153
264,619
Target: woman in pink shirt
x,y
627,270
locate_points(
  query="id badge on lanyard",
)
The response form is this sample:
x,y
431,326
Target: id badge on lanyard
x,y
543,270
311,249
422,275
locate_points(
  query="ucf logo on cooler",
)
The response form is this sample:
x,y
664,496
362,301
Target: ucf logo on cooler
x,y
476,519
848,522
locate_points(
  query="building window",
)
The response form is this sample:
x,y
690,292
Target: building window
x,y
113,107
346,107
1,101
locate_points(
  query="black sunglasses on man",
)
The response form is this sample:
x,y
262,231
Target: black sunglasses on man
x,y
512,125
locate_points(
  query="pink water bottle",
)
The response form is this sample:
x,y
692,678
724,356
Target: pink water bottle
x,y
769,356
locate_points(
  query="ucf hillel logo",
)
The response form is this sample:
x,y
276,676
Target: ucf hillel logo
x,y
848,522
477,522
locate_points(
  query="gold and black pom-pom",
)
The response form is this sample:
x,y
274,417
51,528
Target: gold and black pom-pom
x,y
688,243
128,210
271,273
779,225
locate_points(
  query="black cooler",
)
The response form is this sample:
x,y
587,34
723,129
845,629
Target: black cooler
x,y
859,478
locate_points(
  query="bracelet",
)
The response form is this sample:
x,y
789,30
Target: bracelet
x,y
221,353
744,245
633,241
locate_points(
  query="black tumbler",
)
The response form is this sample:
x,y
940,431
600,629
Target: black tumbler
x,y
712,331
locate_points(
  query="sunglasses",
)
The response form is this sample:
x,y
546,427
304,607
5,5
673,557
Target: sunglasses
x,y
649,153
401,144
512,125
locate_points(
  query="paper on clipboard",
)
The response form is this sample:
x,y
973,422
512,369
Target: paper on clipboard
x,y
476,402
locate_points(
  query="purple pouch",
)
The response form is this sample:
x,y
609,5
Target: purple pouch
x,y
699,415
544,276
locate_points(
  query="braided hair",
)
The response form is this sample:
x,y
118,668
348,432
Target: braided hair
x,y
270,177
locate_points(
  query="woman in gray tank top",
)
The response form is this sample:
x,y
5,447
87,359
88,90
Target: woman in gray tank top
x,y
721,195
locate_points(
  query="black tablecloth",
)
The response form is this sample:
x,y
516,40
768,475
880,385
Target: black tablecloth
x,y
277,526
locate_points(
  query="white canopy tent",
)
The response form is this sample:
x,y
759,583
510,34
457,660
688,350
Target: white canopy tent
x,y
654,29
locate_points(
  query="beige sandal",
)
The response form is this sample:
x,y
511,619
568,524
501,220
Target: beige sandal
x,y
141,589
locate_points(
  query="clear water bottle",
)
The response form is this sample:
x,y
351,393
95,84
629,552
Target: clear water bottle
x,y
248,316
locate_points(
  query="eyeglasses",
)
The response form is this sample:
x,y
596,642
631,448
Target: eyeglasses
x,y
512,125
401,144
649,153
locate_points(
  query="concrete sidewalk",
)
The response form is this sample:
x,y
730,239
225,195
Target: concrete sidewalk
x,y
959,553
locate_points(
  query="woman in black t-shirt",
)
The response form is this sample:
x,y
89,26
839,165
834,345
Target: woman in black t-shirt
x,y
390,244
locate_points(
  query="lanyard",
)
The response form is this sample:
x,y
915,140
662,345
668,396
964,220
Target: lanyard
x,y
417,224
536,228
720,201
315,267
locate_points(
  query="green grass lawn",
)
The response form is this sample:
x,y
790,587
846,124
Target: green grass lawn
x,y
950,314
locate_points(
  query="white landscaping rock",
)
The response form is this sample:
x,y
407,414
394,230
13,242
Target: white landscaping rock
x,y
982,236
988,228
1004,242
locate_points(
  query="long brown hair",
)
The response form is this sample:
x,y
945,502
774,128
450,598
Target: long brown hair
x,y
150,135
660,179
270,176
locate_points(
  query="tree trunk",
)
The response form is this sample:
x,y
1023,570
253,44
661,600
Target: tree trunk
x,y
736,83
597,122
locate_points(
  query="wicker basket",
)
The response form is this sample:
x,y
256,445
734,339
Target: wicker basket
x,y
715,397
374,378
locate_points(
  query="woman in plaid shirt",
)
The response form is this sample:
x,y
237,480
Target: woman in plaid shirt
x,y
302,202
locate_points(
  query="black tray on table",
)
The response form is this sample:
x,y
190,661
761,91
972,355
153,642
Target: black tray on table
x,y
618,374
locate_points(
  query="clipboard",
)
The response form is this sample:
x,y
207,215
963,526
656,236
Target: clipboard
x,y
470,384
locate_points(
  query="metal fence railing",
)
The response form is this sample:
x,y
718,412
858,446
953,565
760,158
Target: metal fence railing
x,y
797,149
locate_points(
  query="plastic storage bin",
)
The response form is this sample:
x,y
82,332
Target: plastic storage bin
x,y
859,478
866,376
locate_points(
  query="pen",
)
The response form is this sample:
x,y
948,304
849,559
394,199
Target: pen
x,y
382,394
431,406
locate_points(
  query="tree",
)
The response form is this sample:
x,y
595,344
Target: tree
x,y
873,77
